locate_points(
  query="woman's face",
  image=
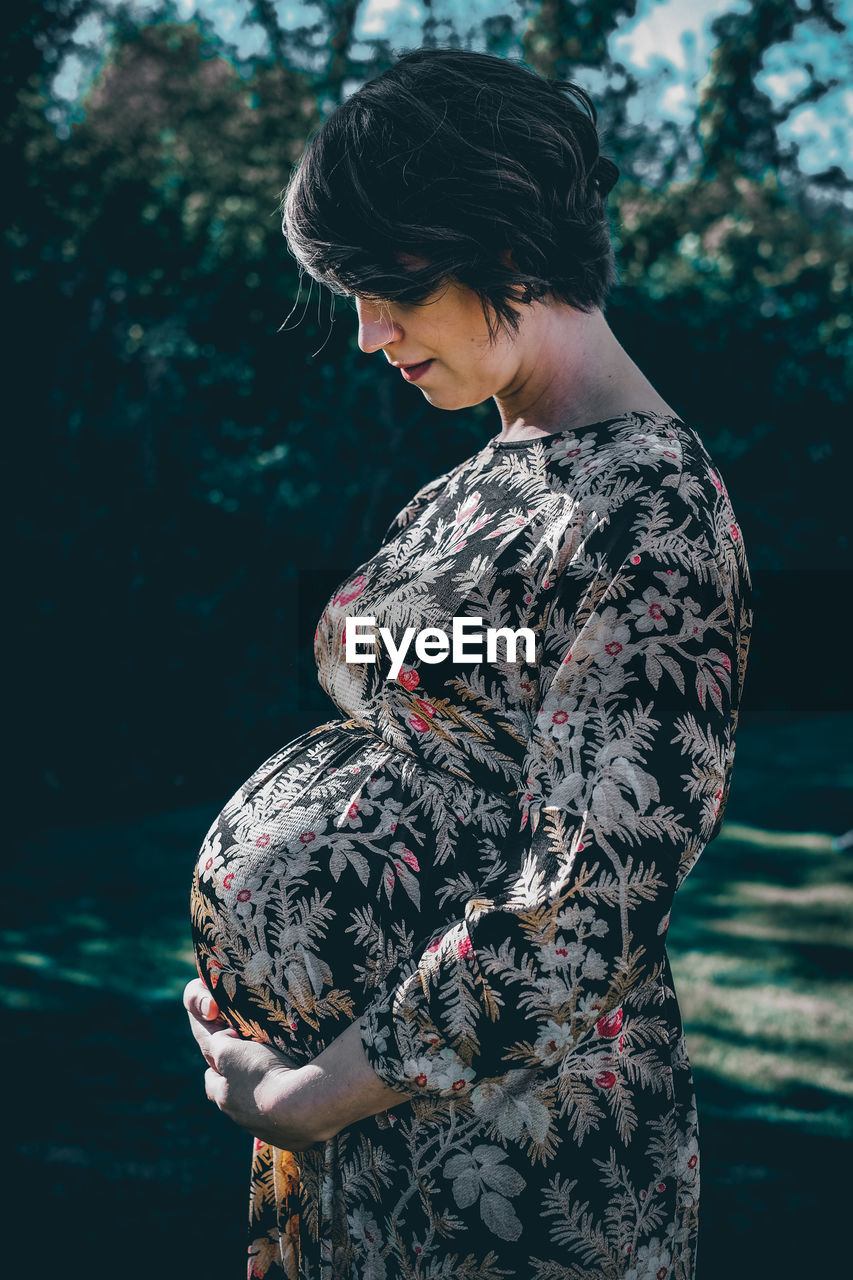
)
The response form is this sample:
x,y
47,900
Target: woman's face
x,y
450,332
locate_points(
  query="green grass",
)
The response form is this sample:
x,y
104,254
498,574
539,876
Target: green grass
x,y
122,1165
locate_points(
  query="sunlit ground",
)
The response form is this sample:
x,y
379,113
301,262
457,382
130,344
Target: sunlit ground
x,y
124,1167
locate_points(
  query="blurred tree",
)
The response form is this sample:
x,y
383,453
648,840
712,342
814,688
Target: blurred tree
x,y
195,478
738,122
560,36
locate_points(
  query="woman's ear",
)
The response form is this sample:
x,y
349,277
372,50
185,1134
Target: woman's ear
x,y
508,260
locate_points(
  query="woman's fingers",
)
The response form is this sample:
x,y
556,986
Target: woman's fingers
x,y
199,1003
213,1085
205,1019
210,1041
203,1036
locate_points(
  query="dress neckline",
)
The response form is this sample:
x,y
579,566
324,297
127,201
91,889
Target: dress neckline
x,y
496,443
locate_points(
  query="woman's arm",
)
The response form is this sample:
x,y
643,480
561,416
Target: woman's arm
x,y
266,1093
627,764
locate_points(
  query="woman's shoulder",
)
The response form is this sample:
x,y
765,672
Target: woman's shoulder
x,y
664,455
610,462
646,469
669,485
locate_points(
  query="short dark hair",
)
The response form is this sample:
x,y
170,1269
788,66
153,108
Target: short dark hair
x,y
457,156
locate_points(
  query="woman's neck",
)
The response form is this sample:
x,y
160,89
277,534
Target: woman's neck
x,y
573,371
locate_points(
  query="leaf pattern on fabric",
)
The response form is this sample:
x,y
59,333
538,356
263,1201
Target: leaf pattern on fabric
x,y
477,862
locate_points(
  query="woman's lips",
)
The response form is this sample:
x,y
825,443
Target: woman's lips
x,y
411,372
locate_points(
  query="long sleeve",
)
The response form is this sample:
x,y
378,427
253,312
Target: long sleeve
x,y
623,783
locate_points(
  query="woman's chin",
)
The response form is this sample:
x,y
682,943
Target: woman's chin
x,y
450,400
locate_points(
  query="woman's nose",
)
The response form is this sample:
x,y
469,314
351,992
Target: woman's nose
x,y
376,328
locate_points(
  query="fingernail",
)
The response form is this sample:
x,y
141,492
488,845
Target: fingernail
x,y
205,1007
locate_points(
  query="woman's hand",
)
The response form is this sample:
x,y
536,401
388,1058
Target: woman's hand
x,y
257,1087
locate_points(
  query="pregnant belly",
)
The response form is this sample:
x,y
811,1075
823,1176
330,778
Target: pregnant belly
x,y
316,877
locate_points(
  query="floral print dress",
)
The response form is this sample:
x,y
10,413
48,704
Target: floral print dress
x,y
477,862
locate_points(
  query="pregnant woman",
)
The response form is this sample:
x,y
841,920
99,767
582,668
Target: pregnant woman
x,y
431,932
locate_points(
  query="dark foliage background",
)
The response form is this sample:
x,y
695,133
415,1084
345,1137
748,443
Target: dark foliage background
x,y
188,484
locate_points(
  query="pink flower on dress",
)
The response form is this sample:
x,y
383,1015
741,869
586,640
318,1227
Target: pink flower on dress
x,y
262,841
409,678
417,723
425,707
410,860
307,836
606,1079
464,948
610,1024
